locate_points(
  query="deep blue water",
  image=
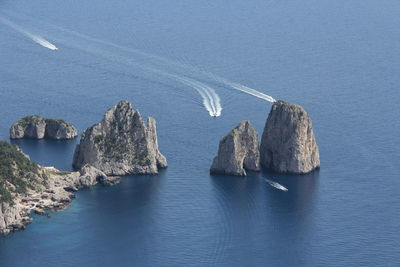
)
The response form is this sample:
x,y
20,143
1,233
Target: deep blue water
x,y
339,59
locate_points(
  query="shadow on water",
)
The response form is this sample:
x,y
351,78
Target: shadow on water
x,y
237,194
238,191
129,225
291,216
56,153
134,198
254,212
300,192
238,217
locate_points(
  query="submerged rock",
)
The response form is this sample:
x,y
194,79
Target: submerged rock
x,y
37,127
238,151
288,143
121,144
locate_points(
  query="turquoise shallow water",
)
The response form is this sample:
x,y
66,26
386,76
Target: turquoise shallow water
x,y
339,59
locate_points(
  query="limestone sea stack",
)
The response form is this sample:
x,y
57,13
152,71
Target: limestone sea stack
x,y
121,144
238,151
37,127
288,143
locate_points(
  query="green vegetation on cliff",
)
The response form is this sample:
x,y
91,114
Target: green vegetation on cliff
x,y
25,120
17,172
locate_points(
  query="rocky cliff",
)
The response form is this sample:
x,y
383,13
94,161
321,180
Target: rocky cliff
x,y
238,151
26,187
38,128
121,144
288,143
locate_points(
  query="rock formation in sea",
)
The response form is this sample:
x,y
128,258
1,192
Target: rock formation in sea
x,y
121,144
238,151
37,127
27,187
288,143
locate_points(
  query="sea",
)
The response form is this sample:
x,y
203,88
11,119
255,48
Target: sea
x,y
199,68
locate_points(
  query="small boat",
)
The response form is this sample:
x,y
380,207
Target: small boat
x,y
276,185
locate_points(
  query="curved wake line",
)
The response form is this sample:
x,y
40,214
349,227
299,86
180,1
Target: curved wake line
x,y
247,90
276,185
237,86
211,100
36,38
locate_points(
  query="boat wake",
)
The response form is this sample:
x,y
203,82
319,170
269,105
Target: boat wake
x,y
276,185
211,100
185,74
251,91
183,67
36,38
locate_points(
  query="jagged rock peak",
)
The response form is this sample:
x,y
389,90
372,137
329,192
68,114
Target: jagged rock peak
x,y
288,143
37,127
121,144
238,151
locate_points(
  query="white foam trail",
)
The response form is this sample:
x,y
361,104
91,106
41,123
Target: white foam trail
x,y
211,100
43,42
36,38
276,185
192,69
185,67
249,91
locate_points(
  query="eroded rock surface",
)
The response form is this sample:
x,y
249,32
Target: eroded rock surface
x,y
238,151
288,143
121,144
37,127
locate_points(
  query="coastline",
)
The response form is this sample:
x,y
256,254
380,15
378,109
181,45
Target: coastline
x,y
57,194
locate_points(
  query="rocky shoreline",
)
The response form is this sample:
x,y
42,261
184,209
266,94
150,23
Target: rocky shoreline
x,y
56,194
123,144
120,144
